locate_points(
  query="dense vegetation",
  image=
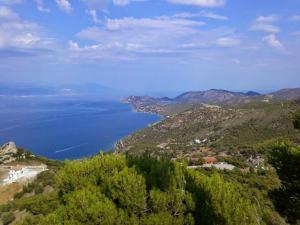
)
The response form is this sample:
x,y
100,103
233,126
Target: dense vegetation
x,y
113,189
286,159
297,120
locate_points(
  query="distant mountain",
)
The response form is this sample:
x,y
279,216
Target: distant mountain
x,y
168,106
286,94
214,96
252,93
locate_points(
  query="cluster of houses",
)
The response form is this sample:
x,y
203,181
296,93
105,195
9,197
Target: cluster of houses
x,y
206,157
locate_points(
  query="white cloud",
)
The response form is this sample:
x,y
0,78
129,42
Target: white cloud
x,y
125,2
267,19
64,5
18,33
94,52
93,15
200,3
121,2
295,17
212,15
26,39
205,14
228,41
155,32
41,6
103,4
130,37
73,45
269,28
7,14
263,23
157,23
273,42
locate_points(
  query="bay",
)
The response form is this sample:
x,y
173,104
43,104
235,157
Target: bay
x,y
67,128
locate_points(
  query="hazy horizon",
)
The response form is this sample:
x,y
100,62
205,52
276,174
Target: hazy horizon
x,y
97,90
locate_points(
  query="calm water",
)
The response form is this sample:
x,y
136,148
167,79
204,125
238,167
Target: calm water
x,y
67,128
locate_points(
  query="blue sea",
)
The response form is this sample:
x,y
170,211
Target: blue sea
x,y
67,128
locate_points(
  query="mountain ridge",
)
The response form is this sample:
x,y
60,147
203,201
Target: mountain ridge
x,y
166,105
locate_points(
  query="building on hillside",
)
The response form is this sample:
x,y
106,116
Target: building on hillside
x,y
219,166
210,160
18,173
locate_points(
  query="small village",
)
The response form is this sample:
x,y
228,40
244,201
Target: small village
x,y
198,155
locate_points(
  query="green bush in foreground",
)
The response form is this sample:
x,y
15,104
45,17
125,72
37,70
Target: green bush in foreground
x,y
296,121
113,189
7,218
286,160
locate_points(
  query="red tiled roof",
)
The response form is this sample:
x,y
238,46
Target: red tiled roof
x,y
210,159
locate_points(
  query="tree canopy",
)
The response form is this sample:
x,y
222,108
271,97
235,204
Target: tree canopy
x,y
286,160
296,121
113,189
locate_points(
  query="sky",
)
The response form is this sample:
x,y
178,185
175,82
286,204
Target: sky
x,y
152,45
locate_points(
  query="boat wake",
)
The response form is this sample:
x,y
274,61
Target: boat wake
x,y
70,148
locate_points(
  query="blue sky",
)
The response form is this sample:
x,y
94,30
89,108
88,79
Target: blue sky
x,y
152,45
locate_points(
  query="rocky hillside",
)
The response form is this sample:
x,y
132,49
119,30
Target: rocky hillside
x,y
220,129
10,153
286,94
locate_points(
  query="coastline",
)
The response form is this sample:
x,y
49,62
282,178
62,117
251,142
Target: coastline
x,y
118,145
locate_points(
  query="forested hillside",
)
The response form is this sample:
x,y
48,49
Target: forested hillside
x,y
114,189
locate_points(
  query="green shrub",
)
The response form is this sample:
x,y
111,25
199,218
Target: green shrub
x,y
7,218
296,121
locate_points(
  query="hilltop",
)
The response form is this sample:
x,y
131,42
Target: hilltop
x,y
214,96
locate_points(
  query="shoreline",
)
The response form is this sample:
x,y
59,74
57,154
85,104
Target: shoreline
x,y
134,109
115,148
